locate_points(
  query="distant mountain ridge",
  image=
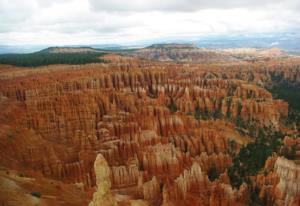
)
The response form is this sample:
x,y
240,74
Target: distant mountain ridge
x,y
254,53
289,41
187,53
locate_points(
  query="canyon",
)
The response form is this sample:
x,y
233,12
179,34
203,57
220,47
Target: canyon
x,y
140,130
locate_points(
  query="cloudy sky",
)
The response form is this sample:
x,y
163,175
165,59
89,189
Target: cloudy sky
x,y
62,22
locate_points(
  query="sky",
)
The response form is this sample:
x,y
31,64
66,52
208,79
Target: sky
x,y
69,22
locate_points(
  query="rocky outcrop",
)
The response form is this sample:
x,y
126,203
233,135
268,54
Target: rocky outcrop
x,y
289,184
103,195
194,181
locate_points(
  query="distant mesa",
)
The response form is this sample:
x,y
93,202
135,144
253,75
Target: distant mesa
x,y
182,53
173,46
71,50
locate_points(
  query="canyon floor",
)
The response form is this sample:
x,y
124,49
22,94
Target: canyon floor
x,y
168,125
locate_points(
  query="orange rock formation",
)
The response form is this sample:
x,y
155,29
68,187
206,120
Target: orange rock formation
x,y
57,119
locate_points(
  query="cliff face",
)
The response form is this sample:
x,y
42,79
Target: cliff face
x,y
161,127
288,186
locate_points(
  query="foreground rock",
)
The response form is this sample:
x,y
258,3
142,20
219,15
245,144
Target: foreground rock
x,y
103,195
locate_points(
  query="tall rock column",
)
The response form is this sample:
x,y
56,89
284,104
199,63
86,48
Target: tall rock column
x,y
103,195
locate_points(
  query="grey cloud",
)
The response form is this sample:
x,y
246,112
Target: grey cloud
x,y
186,5
12,12
47,3
73,28
68,20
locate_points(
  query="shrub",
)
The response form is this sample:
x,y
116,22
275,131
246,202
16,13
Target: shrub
x,y
172,106
36,194
213,173
10,135
197,113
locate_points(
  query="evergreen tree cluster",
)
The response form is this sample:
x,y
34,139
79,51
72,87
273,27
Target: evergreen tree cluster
x,y
43,59
251,158
289,92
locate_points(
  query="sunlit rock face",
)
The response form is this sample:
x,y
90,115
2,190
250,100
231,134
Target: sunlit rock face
x,y
103,195
289,184
139,118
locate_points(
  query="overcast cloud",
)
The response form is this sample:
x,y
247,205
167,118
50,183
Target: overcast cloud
x,y
118,21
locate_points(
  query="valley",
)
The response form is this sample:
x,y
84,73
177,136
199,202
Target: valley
x,y
170,125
